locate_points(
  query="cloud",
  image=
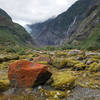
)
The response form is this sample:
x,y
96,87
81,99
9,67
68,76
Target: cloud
x,y
31,11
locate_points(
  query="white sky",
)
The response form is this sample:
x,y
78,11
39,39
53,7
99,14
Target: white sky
x,y
32,11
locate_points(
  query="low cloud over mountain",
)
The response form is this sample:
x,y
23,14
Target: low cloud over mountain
x,y
31,11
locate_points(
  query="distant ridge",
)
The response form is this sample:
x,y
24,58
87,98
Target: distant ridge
x,y
13,34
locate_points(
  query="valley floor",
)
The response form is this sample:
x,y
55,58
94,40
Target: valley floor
x,y
75,76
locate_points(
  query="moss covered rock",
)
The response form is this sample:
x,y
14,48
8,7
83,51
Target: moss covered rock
x,y
91,60
4,85
63,80
61,54
54,94
59,62
4,58
94,67
3,66
75,64
43,62
68,63
74,52
42,59
80,66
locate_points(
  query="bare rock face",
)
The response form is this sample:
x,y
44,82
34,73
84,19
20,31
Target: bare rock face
x,y
25,74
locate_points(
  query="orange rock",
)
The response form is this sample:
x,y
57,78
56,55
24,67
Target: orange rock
x,y
24,74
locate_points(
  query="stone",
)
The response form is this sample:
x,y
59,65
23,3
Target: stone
x,y
26,74
4,58
4,85
80,66
4,81
42,59
53,93
94,67
87,53
61,54
63,80
59,62
74,52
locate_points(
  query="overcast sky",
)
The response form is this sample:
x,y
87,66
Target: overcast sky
x,y
31,11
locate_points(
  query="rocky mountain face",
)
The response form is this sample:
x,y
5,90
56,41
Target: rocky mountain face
x,y
86,34
56,31
12,34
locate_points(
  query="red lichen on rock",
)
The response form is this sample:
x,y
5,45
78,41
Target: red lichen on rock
x,y
24,74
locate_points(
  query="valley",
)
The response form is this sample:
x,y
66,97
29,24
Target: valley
x,y
58,60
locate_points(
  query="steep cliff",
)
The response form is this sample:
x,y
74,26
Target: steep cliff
x,y
87,34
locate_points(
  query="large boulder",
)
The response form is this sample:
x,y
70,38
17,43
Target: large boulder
x,y
25,74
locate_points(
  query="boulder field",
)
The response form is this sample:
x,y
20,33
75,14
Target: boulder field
x,y
53,75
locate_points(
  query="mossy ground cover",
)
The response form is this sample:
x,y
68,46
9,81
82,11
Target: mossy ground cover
x,y
70,68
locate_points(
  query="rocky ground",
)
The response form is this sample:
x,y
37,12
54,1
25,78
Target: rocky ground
x,y
75,76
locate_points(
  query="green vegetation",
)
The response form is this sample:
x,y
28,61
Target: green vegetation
x,y
87,34
93,41
70,69
63,80
12,35
56,94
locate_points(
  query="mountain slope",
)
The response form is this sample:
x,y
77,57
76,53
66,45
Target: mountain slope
x,y
87,35
12,34
55,31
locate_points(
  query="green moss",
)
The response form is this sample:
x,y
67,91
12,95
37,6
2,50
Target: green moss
x,y
92,60
53,94
81,84
4,85
59,62
4,66
92,42
94,67
80,66
63,80
96,57
71,62
80,57
4,58
68,63
61,54
43,62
